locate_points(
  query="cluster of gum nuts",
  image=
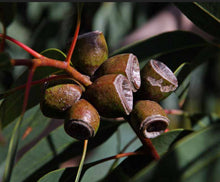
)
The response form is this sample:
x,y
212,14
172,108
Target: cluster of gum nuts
x,y
119,89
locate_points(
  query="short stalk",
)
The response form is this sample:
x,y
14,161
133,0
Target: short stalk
x,y
148,146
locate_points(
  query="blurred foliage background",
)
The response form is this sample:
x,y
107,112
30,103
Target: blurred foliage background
x,y
43,25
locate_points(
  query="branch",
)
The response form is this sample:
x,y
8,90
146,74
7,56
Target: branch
x,y
72,46
44,61
23,46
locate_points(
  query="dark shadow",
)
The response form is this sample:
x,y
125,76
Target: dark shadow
x,y
105,131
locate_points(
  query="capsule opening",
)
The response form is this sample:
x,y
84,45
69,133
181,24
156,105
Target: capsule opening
x,y
154,125
135,77
164,71
124,89
78,129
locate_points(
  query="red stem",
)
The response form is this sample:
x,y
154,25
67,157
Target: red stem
x,y
23,46
57,64
149,147
33,83
117,157
27,90
70,52
174,111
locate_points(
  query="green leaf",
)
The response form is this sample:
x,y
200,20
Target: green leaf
x,y
5,63
12,150
33,118
12,104
109,18
50,151
206,15
132,165
14,131
64,175
202,120
179,69
162,44
162,143
7,13
191,159
116,143
184,76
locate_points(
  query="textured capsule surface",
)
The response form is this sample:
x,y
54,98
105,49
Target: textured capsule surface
x,y
157,81
111,95
149,118
90,52
58,98
82,121
125,64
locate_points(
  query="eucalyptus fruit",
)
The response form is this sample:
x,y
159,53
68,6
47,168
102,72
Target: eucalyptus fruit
x,y
90,52
157,81
125,64
58,96
111,95
82,120
148,118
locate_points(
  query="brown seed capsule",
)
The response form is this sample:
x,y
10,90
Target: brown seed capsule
x,y
57,98
111,95
82,121
125,64
148,118
90,52
157,81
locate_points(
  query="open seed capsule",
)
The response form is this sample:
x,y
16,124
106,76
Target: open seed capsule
x,y
57,97
111,95
157,81
125,64
90,52
148,118
82,121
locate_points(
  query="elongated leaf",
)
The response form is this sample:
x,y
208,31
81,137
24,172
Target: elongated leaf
x,y
162,143
132,165
110,23
204,14
116,143
33,119
11,106
202,120
184,77
47,154
191,159
163,44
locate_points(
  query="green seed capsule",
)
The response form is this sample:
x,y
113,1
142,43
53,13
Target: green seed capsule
x,y
82,121
90,52
111,95
125,64
157,81
148,118
56,99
